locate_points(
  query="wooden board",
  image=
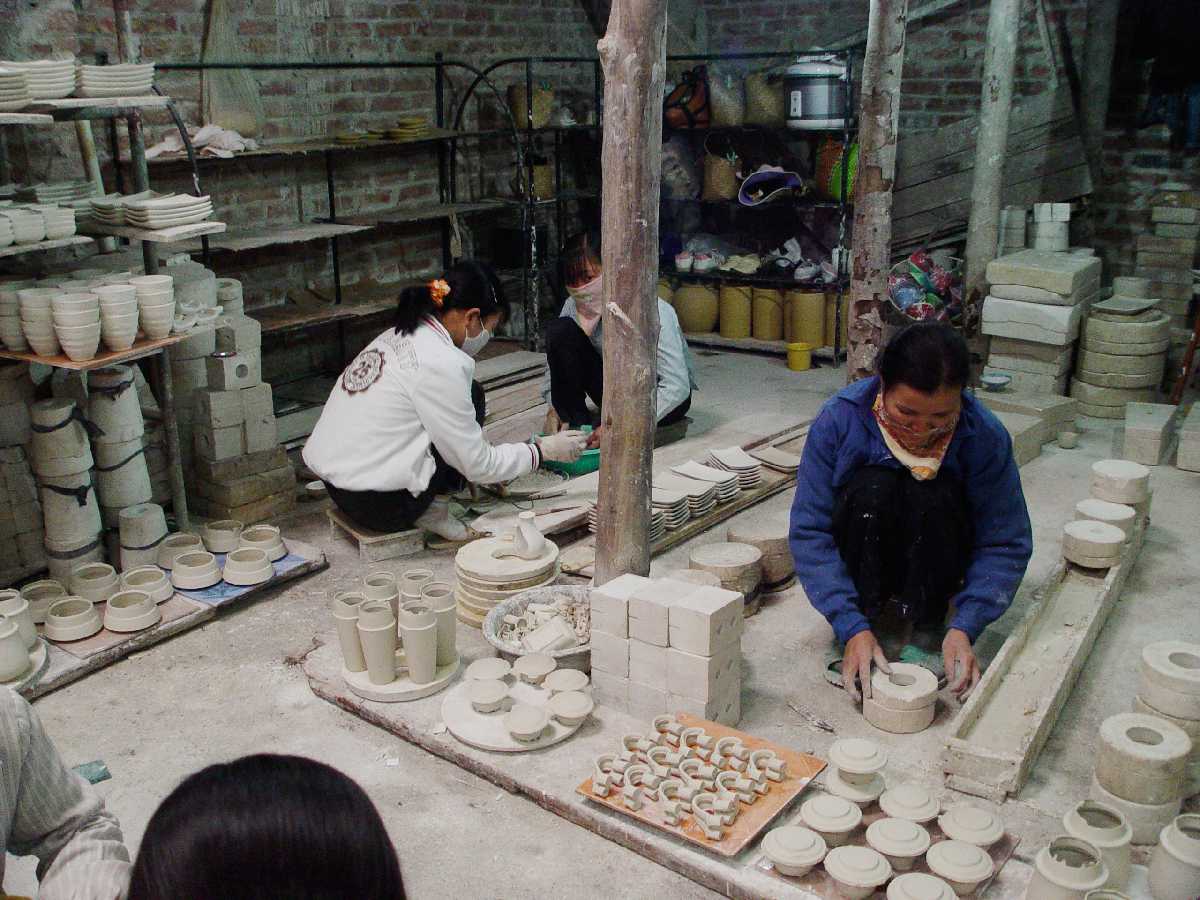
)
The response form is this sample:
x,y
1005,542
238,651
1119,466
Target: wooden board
x,y
427,212
241,240
288,317
173,235
752,818
18,249
141,101
496,368
20,118
140,349
374,546
990,751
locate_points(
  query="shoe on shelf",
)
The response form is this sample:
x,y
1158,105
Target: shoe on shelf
x,y
684,261
806,270
706,262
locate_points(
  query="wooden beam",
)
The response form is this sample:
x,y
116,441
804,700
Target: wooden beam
x,y
995,107
871,257
632,54
1100,42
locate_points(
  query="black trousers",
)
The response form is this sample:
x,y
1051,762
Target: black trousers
x,y
906,543
390,511
577,374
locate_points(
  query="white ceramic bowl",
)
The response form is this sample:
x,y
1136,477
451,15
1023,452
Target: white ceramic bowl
x,y
195,571
221,535
534,667
487,695
571,707
265,537
130,611
526,723
487,669
150,282
151,579
76,318
71,619
246,566
73,301
95,581
40,595
173,545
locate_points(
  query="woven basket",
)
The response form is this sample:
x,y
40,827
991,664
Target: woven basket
x,y
768,314
543,99
726,100
764,101
698,308
806,317
735,311
665,291
543,182
720,178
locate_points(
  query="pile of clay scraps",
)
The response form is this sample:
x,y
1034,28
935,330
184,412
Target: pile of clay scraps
x,y
546,627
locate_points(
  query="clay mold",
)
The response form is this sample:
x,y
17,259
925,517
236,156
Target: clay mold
x,y
265,537
95,581
901,841
857,871
487,696
1175,863
1066,869
247,566
14,655
526,723
831,817
40,594
175,545
71,619
1106,829
793,850
534,667
919,886
195,571
128,611
971,824
963,866
151,579
865,791
571,707
565,680
222,536
909,801
491,668
15,608
857,757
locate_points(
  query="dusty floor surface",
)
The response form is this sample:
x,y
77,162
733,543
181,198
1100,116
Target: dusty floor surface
x,y
228,688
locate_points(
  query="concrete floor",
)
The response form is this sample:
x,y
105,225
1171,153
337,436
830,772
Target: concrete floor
x,y
228,688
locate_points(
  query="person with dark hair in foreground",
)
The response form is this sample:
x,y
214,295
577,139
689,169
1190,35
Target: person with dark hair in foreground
x,y
574,342
402,429
266,827
908,501
48,811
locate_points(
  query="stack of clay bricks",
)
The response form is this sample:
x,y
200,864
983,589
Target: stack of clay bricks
x,y
1147,434
1051,226
1169,688
1032,313
21,549
1121,361
1012,229
1188,457
240,471
664,646
1166,257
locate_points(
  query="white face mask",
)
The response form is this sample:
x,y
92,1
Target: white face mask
x,y
587,296
472,345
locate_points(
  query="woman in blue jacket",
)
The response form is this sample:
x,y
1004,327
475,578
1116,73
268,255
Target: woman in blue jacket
x,y
908,502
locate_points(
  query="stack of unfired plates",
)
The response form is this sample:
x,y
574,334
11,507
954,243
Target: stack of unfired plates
x,y
658,523
56,192
110,209
702,495
726,482
350,137
774,458
14,90
409,128
48,79
740,463
673,505
487,573
124,80
167,212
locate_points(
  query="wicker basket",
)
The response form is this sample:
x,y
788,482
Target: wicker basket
x,y
543,182
764,101
735,311
720,178
768,314
698,308
543,100
726,100
571,658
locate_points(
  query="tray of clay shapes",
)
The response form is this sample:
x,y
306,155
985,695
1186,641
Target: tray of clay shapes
x,y
818,883
487,731
752,818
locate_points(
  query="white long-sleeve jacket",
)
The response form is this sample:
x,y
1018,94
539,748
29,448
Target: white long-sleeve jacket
x,y
402,396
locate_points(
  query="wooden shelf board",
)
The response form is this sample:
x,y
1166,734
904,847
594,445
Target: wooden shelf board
x,y
426,212
21,118
242,240
104,358
158,236
281,319
18,249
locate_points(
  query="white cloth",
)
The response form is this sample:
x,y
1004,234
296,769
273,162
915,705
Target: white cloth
x,y
48,811
674,377
400,397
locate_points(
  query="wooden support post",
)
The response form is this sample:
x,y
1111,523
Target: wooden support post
x,y
995,105
871,256
632,53
1100,44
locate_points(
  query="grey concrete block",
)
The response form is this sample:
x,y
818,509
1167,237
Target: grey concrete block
x,y
234,373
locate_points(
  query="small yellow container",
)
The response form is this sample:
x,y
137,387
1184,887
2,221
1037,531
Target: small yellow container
x,y
799,357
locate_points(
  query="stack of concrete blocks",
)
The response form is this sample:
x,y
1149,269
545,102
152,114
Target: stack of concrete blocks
x,y
241,472
1032,313
1121,360
1188,457
1167,257
1012,229
21,539
189,376
1032,420
1146,437
1051,226
664,646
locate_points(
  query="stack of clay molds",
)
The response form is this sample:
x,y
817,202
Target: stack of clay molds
x,y
1167,256
855,771
1169,688
903,702
739,566
1092,544
140,530
770,537
1188,457
1175,863
1051,226
1122,359
664,646
122,478
1012,229
62,461
21,538
189,371
229,296
1147,433
1140,770
1033,312
491,570
1123,482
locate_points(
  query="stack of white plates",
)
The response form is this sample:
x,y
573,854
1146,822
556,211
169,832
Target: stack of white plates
x,y
110,209
7,236
702,495
673,505
57,192
726,482
168,211
156,304
60,221
77,323
14,90
37,319
658,523
48,79
11,334
28,226
125,80
118,315
779,460
740,463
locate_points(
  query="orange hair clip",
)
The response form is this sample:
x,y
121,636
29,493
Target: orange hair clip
x,y
438,290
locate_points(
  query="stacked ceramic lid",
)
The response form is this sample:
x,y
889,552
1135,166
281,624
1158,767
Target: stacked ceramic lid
x,y
738,461
125,80
726,482
774,458
48,79
484,579
156,304
56,192
673,505
76,319
11,334
28,226
59,221
167,212
14,90
702,495
658,523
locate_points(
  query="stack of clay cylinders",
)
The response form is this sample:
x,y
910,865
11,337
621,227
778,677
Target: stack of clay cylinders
x,y
735,311
1106,829
16,392
1092,544
1169,688
1141,763
1121,481
141,529
229,296
771,538
768,314
1175,863
804,322
122,478
903,702
831,321
61,455
1067,869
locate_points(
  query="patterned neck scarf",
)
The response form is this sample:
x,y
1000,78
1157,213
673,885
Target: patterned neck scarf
x,y
921,452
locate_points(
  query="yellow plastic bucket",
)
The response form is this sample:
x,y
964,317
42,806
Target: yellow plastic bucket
x,y
799,357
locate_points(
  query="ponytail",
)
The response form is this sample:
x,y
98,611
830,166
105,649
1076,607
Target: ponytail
x,y
468,284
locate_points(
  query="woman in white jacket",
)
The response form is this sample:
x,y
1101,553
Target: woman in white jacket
x,y
401,430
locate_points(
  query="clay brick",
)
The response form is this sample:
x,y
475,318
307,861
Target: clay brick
x,y
248,464
242,491
266,508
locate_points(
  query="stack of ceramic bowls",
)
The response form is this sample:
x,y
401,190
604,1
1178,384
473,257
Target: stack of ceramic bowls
x,y
11,334
37,320
48,79
125,80
14,90
156,304
28,226
118,315
168,211
77,324
59,220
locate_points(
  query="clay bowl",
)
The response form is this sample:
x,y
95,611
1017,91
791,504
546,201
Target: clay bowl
x,y
221,536
195,570
151,282
526,723
95,581
131,611
571,707
15,607
833,818
247,566
174,545
901,841
76,318
487,695
265,537
561,680
40,594
793,849
487,669
961,865
534,667
114,295
857,871
151,579
71,619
